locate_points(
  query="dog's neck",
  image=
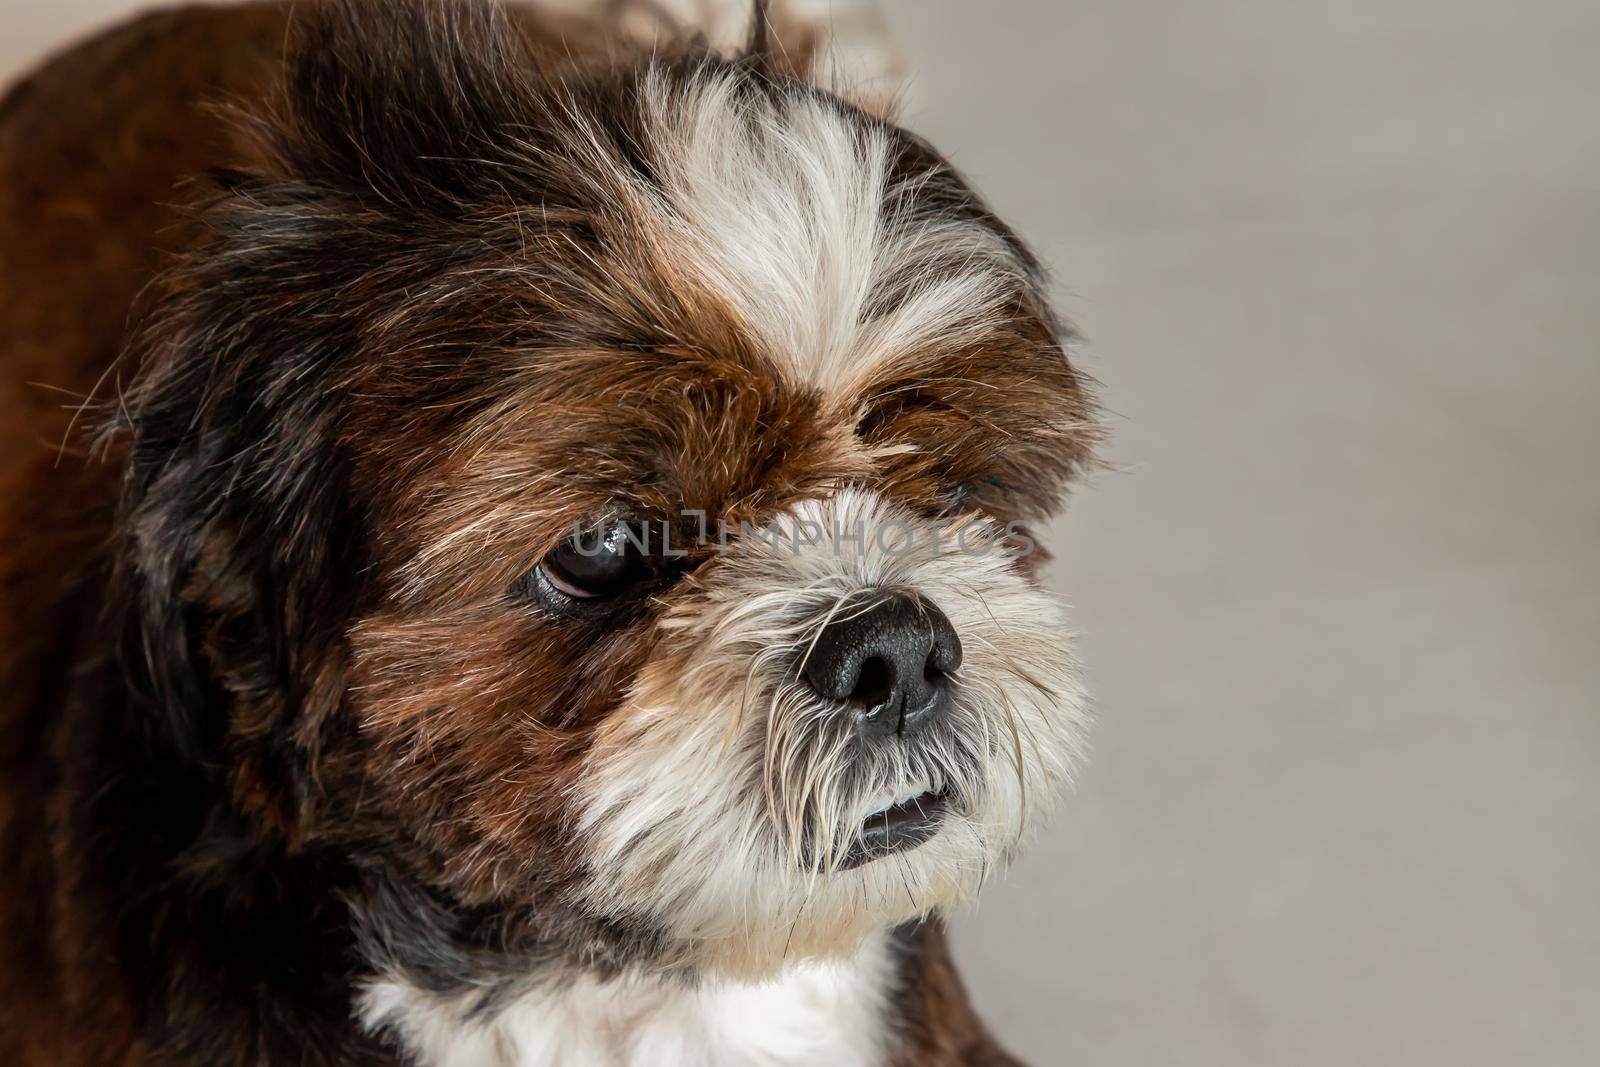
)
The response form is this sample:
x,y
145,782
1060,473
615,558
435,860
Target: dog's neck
x,y
812,1015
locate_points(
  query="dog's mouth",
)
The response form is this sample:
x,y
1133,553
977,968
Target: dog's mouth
x,y
902,822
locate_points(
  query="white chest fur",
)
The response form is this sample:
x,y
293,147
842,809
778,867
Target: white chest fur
x,y
813,1015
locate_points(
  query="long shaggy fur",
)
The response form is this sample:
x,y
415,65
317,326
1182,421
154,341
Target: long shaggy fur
x,y
287,741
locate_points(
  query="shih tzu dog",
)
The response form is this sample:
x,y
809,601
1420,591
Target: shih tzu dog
x,y
514,548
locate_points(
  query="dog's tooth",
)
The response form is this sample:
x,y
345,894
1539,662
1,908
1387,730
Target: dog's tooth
x,y
893,799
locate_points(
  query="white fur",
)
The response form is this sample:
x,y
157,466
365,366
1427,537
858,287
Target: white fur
x,y
814,1014
785,207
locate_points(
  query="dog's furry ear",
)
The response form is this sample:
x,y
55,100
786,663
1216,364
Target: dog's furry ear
x,y
241,535
242,526
237,537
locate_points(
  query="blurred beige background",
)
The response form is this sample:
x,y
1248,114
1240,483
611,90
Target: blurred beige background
x,y
1338,265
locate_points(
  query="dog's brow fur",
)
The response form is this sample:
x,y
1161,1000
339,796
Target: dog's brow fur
x,y
792,211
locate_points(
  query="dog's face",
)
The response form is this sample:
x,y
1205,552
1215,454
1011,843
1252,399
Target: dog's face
x,y
680,424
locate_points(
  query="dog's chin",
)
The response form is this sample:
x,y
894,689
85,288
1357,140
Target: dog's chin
x,y
917,852
733,895
906,865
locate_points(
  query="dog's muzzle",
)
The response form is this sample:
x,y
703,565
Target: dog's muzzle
x,y
888,665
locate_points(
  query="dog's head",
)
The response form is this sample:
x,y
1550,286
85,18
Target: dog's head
x,y
596,500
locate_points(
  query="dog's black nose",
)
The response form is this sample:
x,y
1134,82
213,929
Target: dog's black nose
x,y
889,659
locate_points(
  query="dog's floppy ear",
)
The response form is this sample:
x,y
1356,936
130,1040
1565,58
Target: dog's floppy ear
x,y
238,538
242,539
281,337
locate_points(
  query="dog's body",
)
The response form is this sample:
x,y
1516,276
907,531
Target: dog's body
x,y
285,779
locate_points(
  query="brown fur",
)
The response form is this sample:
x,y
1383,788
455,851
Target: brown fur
x,y
270,720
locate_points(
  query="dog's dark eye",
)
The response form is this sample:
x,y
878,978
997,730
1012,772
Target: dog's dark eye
x,y
597,564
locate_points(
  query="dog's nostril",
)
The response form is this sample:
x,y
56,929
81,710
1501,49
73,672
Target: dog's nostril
x,y
944,657
874,685
890,663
